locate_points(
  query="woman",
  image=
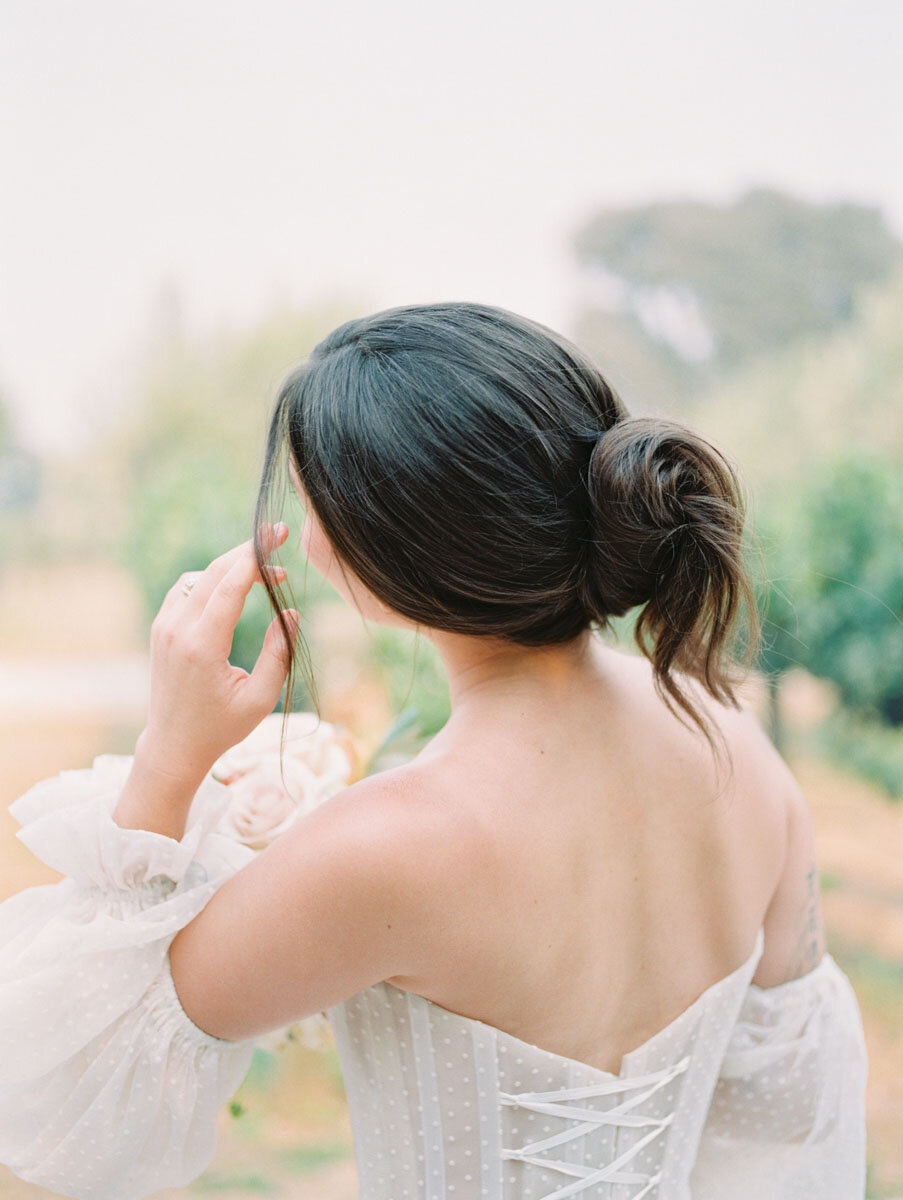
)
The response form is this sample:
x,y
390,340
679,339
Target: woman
x,y
574,947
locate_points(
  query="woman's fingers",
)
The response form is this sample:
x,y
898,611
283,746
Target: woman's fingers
x,y
271,668
176,603
216,624
271,537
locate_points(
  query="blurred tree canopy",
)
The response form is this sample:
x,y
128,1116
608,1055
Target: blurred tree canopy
x,y
852,594
833,603
817,429
682,292
835,595
809,400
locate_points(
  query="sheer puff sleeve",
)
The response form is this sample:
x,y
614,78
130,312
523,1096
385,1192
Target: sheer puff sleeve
x,y
787,1117
108,1090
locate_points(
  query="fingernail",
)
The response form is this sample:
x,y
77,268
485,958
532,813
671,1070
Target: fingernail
x,y
281,528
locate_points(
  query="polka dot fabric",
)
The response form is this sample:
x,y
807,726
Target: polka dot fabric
x,y
749,1094
108,1091
787,1117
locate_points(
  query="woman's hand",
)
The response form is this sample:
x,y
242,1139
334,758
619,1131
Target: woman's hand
x,y
200,704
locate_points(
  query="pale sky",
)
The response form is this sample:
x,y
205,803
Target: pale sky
x,y
390,152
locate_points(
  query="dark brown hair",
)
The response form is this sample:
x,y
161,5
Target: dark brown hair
x,y
478,474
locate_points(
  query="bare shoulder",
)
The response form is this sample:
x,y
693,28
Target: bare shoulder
x,y
342,900
750,746
408,824
793,922
404,812
794,932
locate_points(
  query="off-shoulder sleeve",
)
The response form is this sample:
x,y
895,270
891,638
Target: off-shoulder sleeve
x,y
787,1116
108,1090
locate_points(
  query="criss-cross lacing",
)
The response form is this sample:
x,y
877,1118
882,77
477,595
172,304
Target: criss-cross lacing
x,y
552,1104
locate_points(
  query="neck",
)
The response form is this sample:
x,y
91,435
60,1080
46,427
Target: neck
x,y
484,670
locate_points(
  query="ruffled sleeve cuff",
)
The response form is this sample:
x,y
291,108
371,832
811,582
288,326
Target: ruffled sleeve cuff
x,y
67,822
108,1090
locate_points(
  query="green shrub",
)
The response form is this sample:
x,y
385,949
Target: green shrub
x,y
866,745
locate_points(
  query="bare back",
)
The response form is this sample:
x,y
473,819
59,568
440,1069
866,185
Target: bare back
x,y
604,876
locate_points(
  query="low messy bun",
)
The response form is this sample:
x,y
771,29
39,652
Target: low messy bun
x,y
668,513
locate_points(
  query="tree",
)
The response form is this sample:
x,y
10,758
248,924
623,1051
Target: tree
x,y
681,292
809,401
853,614
833,599
778,576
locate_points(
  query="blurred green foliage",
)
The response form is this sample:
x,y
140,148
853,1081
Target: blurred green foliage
x,y
878,979
193,455
244,1182
832,602
870,747
792,409
411,668
749,277
853,617
833,539
305,1159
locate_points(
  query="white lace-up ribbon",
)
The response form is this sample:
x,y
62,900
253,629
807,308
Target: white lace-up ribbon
x,y
553,1104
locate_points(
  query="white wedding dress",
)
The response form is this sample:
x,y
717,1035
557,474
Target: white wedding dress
x,y
108,1091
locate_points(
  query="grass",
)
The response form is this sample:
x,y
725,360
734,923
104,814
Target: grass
x,y
876,1191
223,1182
876,979
305,1159
264,1067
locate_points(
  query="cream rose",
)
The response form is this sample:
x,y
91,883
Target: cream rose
x,y
307,740
263,806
